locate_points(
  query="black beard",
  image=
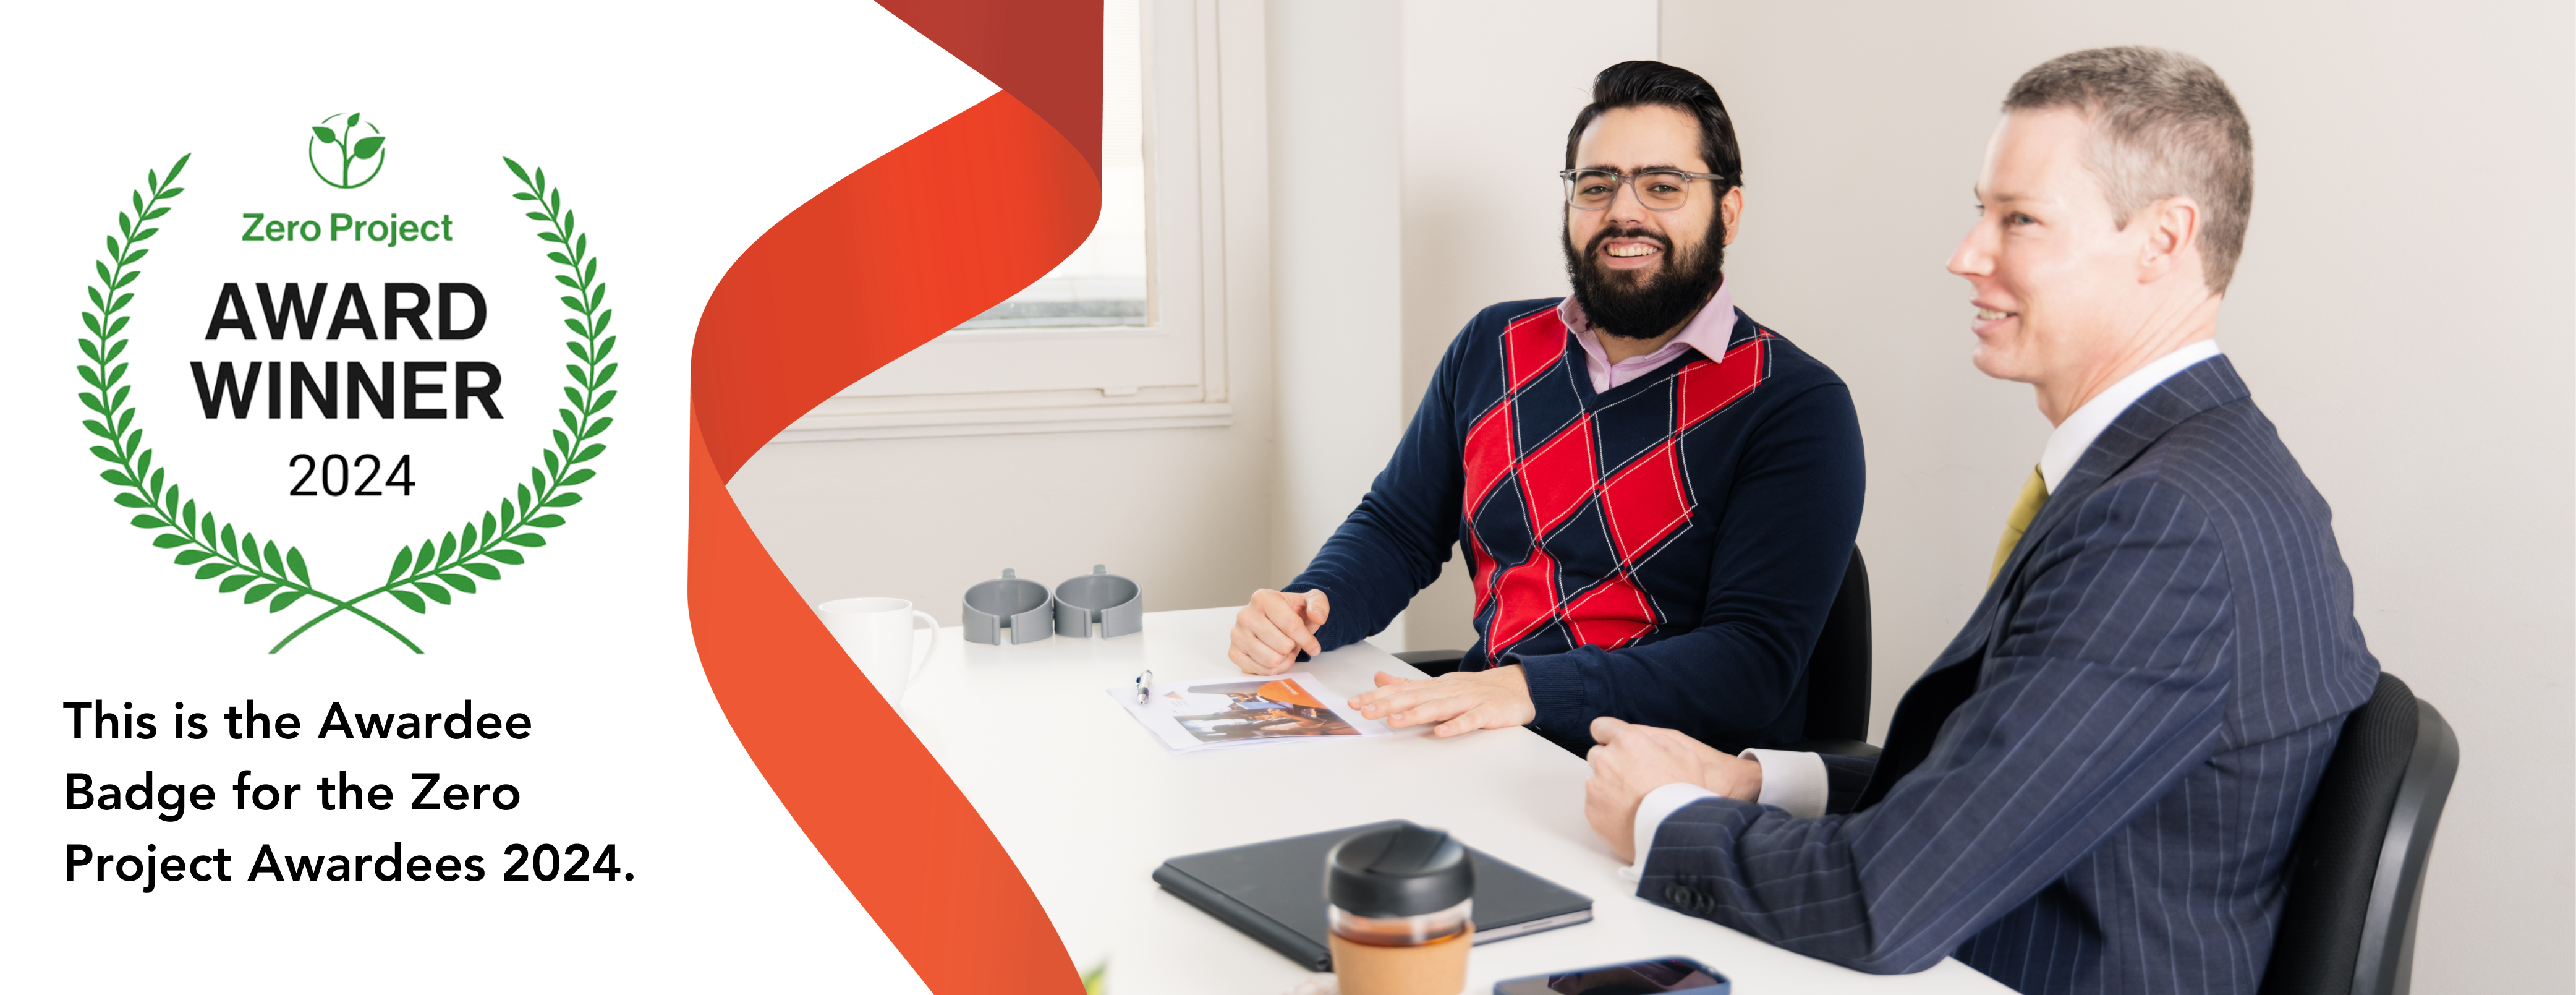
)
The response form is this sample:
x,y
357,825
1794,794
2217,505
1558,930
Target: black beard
x,y
1632,305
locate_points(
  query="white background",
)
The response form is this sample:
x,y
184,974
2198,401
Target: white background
x,y
677,141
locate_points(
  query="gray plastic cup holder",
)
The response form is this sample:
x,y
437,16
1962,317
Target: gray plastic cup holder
x,y
1100,596
1021,606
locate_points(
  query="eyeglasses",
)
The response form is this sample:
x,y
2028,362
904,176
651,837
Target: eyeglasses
x,y
1658,189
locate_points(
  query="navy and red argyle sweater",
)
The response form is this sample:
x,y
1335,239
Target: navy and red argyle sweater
x,y
1663,552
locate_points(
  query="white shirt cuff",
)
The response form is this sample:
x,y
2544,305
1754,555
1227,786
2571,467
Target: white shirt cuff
x,y
1791,781
1652,810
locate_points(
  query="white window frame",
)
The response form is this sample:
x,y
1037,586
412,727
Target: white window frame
x,y
1168,373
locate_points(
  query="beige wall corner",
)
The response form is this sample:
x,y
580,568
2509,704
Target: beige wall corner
x,y
1336,279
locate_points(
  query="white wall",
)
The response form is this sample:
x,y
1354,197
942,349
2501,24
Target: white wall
x,y
1184,512
1335,277
2402,312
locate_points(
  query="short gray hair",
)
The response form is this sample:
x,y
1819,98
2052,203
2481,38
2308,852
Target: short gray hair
x,y
2164,125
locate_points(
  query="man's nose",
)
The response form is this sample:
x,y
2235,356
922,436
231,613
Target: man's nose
x,y
1627,206
1973,257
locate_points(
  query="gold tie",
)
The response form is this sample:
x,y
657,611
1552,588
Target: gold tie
x,y
2034,493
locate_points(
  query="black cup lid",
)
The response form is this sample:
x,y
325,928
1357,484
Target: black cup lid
x,y
1401,870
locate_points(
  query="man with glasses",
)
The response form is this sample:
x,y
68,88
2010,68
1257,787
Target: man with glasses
x,y
1657,495
2096,787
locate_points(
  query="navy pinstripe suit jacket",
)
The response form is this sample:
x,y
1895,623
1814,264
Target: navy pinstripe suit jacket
x,y
2094,788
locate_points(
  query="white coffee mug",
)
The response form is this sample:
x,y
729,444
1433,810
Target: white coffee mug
x,y
877,633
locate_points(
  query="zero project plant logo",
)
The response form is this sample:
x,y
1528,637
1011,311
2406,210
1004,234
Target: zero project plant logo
x,y
343,147
458,562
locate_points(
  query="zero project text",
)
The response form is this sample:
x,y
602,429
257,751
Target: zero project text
x,y
388,231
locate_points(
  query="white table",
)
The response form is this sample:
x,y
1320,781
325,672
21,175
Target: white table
x,y
1089,803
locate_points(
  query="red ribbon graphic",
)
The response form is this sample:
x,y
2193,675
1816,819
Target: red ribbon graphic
x,y
839,287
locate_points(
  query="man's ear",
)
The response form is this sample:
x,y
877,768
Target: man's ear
x,y
2172,229
1730,210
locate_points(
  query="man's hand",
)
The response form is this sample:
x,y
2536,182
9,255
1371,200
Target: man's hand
x,y
1633,760
1269,632
1461,702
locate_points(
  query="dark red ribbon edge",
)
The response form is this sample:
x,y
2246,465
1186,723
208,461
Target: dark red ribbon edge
x,y
853,278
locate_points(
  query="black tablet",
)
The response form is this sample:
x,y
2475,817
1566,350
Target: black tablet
x,y
1274,891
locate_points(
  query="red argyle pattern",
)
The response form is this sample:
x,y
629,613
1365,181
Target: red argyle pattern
x,y
1591,519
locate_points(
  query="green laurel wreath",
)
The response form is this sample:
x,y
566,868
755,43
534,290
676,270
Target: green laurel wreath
x,y
429,574
450,563
241,560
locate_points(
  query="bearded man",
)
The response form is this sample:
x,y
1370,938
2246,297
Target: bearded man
x,y
2097,786
1657,494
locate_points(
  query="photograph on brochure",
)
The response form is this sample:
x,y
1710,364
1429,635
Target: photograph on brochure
x,y
1205,714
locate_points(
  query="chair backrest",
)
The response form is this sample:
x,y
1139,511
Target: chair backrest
x,y
2356,873
1838,670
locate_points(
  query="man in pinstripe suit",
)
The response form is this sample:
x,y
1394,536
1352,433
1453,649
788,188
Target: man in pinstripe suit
x,y
2095,787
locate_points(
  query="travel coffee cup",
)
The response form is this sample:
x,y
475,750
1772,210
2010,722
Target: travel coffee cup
x,y
1398,903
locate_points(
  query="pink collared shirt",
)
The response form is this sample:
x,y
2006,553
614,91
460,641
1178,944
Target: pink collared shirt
x,y
1707,332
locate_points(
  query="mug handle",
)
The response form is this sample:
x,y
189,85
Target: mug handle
x,y
926,651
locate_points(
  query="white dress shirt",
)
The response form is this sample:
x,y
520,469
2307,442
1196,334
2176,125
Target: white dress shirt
x,y
2076,434
1795,782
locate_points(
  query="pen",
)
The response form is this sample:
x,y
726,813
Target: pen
x,y
1144,686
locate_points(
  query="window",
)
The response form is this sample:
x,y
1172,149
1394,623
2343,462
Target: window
x,y
1122,334
1103,284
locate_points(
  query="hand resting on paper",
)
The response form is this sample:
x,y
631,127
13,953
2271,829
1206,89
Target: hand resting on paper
x,y
1633,760
1461,702
1273,628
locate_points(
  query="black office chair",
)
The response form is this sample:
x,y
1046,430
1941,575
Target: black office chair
x,y
1837,670
2356,874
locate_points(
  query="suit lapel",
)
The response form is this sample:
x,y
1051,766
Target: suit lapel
x,y
1946,684
2197,388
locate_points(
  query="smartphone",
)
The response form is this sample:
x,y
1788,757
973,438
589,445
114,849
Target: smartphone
x,y
1667,974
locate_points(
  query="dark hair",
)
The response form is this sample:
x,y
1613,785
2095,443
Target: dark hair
x,y
2164,125
1644,82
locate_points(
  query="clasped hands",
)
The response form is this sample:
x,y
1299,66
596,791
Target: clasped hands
x,y
1631,761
